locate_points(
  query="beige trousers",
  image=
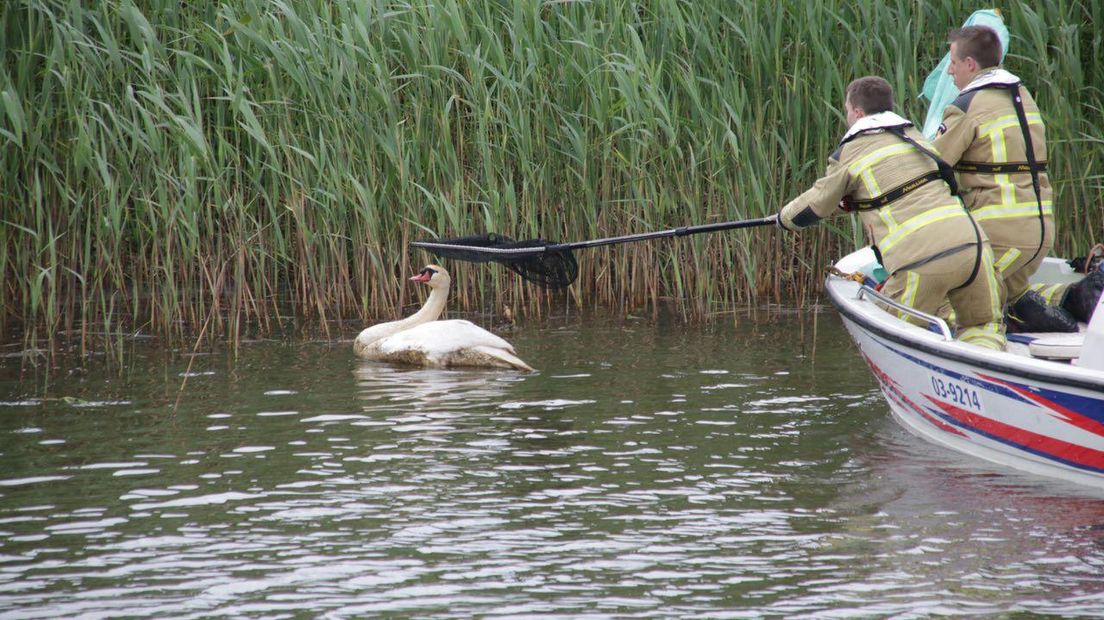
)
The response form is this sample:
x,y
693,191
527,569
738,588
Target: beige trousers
x,y
1016,264
978,306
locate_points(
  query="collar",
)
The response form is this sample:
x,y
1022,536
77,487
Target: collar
x,y
991,77
881,120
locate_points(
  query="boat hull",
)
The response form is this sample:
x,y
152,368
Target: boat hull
x,y
1038,416
1046,429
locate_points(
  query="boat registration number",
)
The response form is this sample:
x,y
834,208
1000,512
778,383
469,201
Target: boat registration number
x,y
957,393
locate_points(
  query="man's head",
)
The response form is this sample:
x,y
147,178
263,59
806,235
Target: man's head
x,y
973,50
867,95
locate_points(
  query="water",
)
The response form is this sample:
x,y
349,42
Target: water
x,y
646,471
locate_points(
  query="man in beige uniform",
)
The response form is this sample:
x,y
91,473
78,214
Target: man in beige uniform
x,y
982,136
925,239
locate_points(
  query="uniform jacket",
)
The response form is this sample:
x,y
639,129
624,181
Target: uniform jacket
x,y
926,223
981,128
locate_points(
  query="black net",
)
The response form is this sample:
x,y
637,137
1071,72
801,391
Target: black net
x,y
549,268
471,249
553,269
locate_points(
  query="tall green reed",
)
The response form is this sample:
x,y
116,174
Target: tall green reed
x,y
169,165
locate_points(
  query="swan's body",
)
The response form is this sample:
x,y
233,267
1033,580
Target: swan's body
x,y
422,340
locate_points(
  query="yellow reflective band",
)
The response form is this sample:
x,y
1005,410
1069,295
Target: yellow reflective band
x,y
908,296
871,183
994,130
1051,292
990,338
915,223
1009,120
990,274
886,215
878,155
996,285
1006,261
1008,189
1048,291
1000,151
999,154
1019,209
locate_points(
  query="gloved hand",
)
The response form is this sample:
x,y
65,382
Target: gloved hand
x,y
778,222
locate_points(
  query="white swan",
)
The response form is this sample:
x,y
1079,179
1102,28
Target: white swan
x,y
422,340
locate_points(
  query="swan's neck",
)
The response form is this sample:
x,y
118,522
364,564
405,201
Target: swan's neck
x,y
432,309
428,312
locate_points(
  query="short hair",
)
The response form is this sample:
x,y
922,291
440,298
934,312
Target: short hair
x,y
871,93
978,42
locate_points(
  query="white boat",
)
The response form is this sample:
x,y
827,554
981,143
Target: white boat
x,y
1037,407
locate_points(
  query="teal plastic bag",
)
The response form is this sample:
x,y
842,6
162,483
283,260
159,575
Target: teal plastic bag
x,y
939,88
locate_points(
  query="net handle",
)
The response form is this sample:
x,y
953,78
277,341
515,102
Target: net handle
x,y
578,245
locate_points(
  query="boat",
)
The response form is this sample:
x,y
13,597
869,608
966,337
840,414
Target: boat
x,y
1037,407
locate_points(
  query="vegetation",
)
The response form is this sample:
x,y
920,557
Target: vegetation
x,y
168,165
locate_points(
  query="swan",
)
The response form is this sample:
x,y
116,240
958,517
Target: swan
x,y
422,340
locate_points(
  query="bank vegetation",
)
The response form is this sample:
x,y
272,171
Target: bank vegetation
x,y
170,165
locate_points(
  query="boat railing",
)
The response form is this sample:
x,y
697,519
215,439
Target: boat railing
x,y
935,323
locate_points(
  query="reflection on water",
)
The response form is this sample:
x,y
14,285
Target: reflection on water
x,y
644,471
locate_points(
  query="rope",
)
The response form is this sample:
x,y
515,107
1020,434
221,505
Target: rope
x,y
856,276
1097,250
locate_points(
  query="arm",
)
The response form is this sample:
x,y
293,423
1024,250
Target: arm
x,y
819,201
956,134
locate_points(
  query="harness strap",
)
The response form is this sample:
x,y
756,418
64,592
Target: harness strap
x,y
946,172
1017,102
877,202
977,259
1013,167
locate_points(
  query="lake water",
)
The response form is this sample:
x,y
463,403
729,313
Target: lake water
x,y
649,469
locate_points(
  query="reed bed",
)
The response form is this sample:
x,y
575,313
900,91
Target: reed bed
x,y
171,166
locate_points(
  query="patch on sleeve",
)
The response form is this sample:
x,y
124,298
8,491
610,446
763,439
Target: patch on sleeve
x,y
807,217
942,129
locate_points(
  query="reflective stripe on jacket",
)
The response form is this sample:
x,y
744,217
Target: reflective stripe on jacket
x,y
921,225
982,138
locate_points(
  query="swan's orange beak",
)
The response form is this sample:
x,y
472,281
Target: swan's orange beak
x,y
422,277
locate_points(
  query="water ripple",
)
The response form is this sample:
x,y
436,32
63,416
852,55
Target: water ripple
x,y
660,476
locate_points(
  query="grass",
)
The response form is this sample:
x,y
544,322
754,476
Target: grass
x,y
169,165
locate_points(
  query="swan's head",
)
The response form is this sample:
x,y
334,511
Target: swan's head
x,y
433,275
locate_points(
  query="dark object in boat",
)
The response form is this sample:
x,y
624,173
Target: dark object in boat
x,y
1081,297
1031,313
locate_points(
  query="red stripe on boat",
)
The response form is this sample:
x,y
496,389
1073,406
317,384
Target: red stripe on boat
x,y
1068,416
892,390
1046,446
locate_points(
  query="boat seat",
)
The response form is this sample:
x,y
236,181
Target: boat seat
x,y
1057,347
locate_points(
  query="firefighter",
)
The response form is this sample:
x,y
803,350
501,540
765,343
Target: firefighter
x,y
924,237
994,137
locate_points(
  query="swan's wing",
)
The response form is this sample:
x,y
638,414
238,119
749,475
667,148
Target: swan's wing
x,y
381,330
367,341
503,356
439,338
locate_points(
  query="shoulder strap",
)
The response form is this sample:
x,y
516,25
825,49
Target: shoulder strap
x,y
946,171
1017,102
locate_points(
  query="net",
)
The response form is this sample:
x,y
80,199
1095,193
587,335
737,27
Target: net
x,y
535,260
